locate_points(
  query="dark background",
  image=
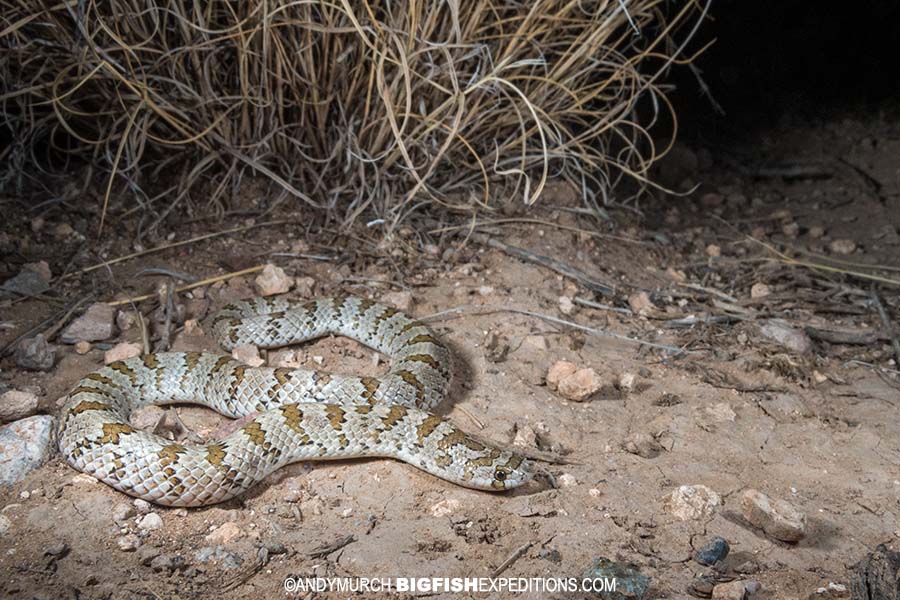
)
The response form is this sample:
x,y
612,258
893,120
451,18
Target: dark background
x,y
778,63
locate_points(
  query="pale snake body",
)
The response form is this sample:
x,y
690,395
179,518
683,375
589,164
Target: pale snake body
x,y
303,414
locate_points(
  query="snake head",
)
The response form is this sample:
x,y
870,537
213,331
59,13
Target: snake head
x,y
507,471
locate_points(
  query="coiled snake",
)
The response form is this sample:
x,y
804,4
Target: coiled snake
x,y
303,414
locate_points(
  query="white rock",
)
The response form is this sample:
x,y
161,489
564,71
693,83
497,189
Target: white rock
x,y
129,542
733,590
286,358
525,437
536,343
122,351
24,446
15,405
126,319
142,506
626,382
224,533
273,280
777,518
82,347
842,246
444,507
566,480
96,324
248,354
566,306
689,502
5,524
192,327
150,522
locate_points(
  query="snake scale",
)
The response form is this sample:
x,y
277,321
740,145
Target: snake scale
x,y
302,414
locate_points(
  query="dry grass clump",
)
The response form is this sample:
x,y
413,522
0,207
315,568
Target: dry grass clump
x,y
349,106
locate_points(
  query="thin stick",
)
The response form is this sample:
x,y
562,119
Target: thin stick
x,y
548,262
600,306
193,240
520,551
888,326
489,308
191,286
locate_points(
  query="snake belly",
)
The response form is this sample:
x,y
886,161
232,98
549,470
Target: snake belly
x,y
303,414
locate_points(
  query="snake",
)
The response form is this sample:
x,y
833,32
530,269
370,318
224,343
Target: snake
x,y
291,414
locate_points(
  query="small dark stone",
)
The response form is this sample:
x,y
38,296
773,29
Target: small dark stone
x,y
551,554
712,551
877,575
35,354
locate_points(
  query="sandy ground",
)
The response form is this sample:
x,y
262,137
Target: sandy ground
x,y
816,430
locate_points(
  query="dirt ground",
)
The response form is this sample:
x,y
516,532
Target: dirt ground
x,y
735,410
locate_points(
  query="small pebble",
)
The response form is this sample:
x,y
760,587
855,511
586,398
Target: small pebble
x,y
759,290
121,352
689,502
640,303
842,246
444,507
247,354
712,551
642,444
123,512
273,280
150,522
142,506
16,404
82,347
224,533
566,480
35,354
96,324
128,543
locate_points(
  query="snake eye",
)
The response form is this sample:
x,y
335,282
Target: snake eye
x,y
500,475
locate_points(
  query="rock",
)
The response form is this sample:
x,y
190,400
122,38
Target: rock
x,y
495,347
842,246
444,507
616,581
150,522
876,576
96,324
713,251
784,333
304,286
82,347
122,351
224,533
640,303
733,590
273,280
247,354
559,370
26,283
759,290
566,480
5,524
168,562
702,585
712,551
122,512
126,319
225,558
128,543
816,232
63,230
148,417
642,444
15,405
24,446
401,300
748,567
690,502
41,268
625,382
777,518
35,354
142,506
566,306
580,385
